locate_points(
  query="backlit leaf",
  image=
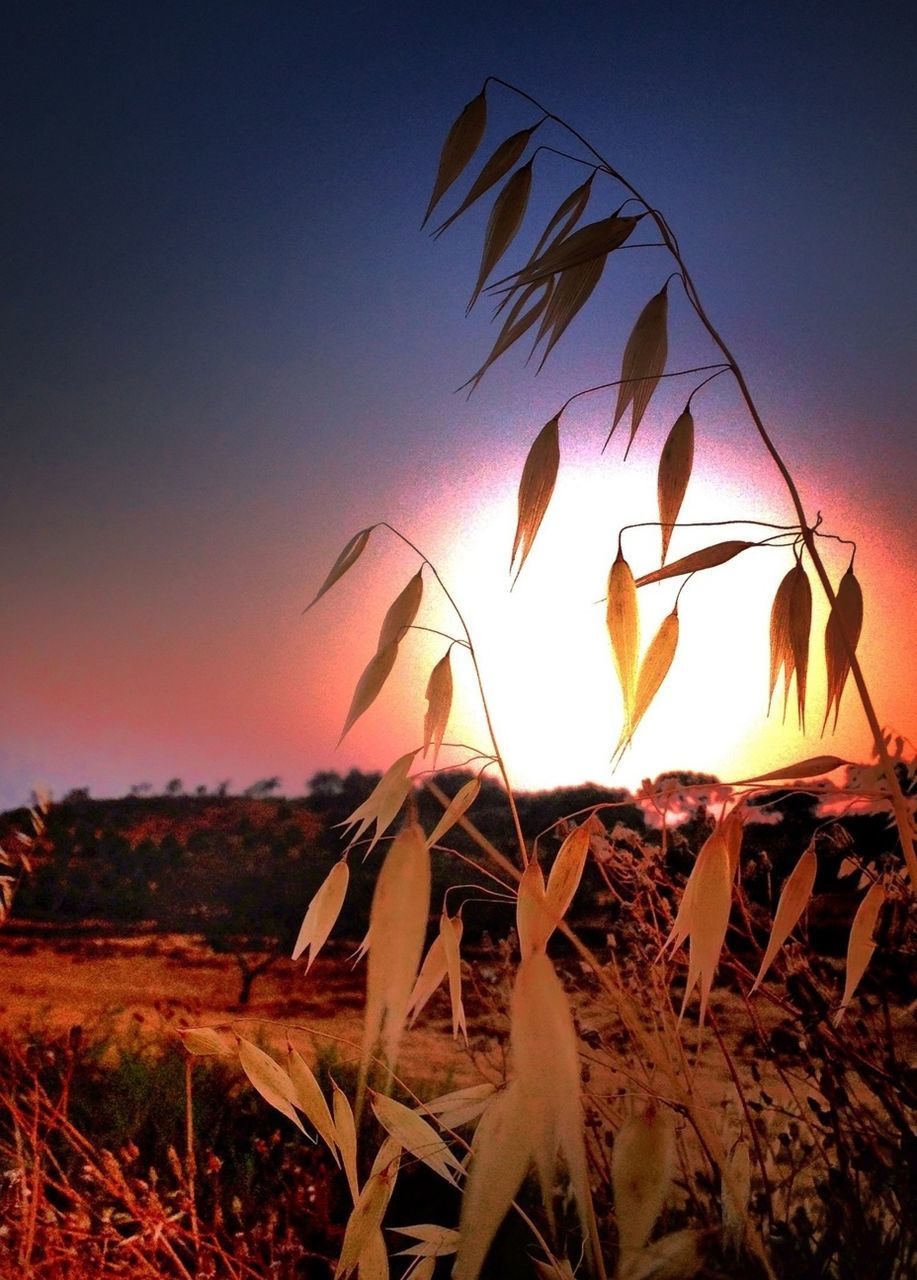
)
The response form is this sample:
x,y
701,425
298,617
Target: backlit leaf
x,y
623,619
460,803
401,613
642,1164
675,465
793,901
860,945
535,489
270,1079
845,618
500,1156
495,168
416,1135
345,560
439,704
643,362
708,558
462,140
369,686
503,224
322,913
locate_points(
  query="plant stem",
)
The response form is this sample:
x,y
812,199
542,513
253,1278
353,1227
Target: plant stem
x,y
477,671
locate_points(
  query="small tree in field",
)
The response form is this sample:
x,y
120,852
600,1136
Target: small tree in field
x,y
535,1118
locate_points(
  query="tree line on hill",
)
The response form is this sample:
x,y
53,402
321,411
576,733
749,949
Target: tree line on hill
x,y
241,869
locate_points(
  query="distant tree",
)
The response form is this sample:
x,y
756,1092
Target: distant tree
x,y
222,788
263,788
174,787
141,788
200,789
76,795
324,784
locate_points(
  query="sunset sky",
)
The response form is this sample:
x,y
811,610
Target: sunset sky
x,y
227,346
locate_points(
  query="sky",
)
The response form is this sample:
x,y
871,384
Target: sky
x,y
227,346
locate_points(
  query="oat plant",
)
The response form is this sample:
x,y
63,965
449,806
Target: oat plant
x,y
600,1135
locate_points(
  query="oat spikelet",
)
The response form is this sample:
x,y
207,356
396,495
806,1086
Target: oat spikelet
x,y
675,463
461,1105
703,914
845,618
433,1241
533,923
566,873
369,686
345,1132
643,362
384,803
270,1079
322,913
653,670
439,704
517,323
595,240
570,294
535,489
860,945
564,219
450,930
800,627
397,924
623,620
503,224
311,1101
810,768
345,560
367,1214
735,1195
708,558
415,1135
460,803
642,1164
793,901
546,1059
432,973
781,655
401,613
500,1156
676,1256
462,141
496,167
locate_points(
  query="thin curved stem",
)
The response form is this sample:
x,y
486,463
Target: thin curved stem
x,y
676,373
899,805
477,671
